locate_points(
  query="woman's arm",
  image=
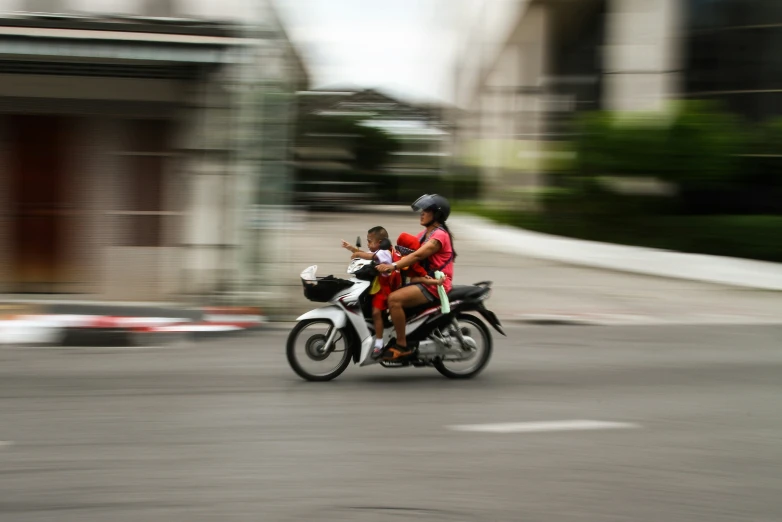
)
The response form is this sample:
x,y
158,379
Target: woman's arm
x,y
427,280
430,247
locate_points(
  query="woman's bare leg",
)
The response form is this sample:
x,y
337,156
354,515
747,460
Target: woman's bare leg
x,y
407,297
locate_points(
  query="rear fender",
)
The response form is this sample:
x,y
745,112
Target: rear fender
x,y
492,319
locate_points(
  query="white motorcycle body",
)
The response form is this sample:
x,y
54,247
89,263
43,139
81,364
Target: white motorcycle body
x,y
442,341
339,312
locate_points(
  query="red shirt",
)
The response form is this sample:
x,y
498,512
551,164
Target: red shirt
x,y
443,256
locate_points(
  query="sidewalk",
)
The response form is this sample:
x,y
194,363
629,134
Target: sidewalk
x,y
538,279
506,239
564,286
662,263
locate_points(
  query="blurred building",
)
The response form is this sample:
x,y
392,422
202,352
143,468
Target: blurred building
x,y
136,140
733,53
422,130
528,66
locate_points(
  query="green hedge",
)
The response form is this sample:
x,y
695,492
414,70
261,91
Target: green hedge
x,y
401,189
698,145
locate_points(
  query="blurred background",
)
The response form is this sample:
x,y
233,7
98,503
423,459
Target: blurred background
x,y
161,150
169,167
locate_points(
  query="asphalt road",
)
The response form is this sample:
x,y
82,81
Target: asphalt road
x,y
224,430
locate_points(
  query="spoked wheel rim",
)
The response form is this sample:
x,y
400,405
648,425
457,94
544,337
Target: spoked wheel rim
x,y
306,347
315,347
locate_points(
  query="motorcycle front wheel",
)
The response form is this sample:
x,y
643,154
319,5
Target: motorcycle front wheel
x,y
306,355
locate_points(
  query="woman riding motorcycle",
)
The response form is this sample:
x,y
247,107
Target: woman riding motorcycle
x,y
436,254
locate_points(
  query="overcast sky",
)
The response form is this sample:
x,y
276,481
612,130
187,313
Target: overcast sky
x,y
406,47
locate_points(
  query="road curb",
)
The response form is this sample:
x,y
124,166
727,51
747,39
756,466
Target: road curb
x,y
111,330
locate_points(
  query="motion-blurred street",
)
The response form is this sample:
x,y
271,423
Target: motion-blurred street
x,y
225,431
168,168
526,288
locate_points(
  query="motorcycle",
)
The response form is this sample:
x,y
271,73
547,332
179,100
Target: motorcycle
x,y
457,344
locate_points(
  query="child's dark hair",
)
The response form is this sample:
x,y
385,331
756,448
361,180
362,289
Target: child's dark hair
x,y
381,234
378,231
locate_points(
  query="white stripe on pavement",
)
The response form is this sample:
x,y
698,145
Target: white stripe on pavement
x,y
198,328
244,319
538,427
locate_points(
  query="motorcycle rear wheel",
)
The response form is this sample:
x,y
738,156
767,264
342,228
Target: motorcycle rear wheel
x,y
478,331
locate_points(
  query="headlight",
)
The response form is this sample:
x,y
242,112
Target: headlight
x,y
308,274
356,265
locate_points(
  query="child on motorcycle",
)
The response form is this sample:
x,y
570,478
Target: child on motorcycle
x,y
379,252
415,273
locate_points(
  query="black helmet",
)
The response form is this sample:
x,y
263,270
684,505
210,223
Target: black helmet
x,y
440,205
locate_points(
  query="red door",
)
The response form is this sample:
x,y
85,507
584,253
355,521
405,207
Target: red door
x,y
39,208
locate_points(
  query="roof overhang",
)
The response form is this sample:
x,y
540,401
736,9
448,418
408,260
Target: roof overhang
x,y
46,49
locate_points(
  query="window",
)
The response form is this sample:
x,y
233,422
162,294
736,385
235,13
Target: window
x,y
143,204
733,54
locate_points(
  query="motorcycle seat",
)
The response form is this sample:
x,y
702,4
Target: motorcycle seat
x,y
457,293
463,292
410,312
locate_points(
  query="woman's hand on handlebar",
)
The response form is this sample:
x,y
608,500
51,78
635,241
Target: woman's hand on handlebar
x,y
385,269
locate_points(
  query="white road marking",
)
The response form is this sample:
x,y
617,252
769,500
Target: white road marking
x,y
198,328
538,427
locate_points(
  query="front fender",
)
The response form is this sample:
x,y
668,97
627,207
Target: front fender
x,y
332,313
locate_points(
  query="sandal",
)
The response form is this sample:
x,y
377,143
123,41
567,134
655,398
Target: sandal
x,y
396,352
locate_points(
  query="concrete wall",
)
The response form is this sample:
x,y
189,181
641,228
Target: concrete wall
x,y
501,81
643,54
209,235
511,114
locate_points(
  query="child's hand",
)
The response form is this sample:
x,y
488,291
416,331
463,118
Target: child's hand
x,y
348,246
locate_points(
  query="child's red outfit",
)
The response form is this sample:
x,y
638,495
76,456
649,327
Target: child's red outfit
x,y
387,283
407,244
